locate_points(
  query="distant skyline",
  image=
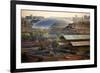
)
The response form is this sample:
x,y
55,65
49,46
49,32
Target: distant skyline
x,y
47,14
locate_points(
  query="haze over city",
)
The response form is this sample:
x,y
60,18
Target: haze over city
x,y
47,14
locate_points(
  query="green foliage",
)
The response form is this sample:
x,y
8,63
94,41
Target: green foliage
x,y
25,36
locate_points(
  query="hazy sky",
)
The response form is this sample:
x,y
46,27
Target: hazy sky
x,y
51,13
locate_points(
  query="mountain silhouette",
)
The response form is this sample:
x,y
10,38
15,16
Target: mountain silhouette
x,y
50,23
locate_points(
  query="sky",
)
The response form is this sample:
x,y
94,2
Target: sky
x,y
47,14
